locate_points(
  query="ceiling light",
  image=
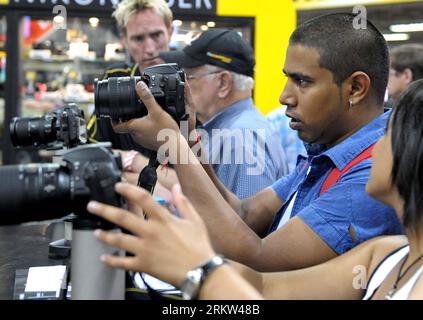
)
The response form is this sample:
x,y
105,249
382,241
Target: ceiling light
x,y
411,27
177,23
93,22
396,36
58,19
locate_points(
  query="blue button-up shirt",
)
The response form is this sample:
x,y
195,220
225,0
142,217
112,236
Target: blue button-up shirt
x,y
243,150
345,205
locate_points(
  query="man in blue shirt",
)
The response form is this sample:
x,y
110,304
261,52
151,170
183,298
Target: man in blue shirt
x,y
242,150
337,76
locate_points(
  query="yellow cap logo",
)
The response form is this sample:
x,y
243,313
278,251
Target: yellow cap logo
x,y
220,57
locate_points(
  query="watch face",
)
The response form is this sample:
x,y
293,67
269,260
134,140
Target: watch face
x,y
191,284
195,275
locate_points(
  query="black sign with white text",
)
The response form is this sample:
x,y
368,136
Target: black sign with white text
x,y
193,6
198,7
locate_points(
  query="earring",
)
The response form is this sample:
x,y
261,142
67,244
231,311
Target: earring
x,y
351,103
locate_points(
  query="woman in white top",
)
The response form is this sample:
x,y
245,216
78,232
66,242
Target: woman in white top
x,y
391,267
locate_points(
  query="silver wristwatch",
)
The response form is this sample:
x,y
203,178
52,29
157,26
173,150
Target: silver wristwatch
x,y
194,279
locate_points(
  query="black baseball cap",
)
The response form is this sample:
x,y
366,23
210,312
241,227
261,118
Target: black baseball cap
x,y
220,47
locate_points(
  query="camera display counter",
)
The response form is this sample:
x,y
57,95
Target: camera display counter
x,y
24,246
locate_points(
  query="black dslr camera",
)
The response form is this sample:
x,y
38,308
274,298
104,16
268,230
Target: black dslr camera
x,y
34,192
116,98
63,127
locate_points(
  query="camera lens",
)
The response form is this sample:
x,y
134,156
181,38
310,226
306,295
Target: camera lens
x,y
34,192
32,131
117,99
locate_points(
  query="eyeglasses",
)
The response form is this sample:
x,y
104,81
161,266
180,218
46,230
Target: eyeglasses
x,y
200,75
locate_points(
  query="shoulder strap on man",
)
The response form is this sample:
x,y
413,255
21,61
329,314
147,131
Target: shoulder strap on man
x,y
121,70
335,174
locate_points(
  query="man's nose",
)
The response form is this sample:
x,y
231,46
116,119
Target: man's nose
x,y
288,96
150,46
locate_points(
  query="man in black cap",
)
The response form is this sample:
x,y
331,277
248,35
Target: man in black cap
x,y
219,47
219,67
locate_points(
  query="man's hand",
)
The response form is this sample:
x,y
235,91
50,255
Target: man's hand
x,y
146,130
165,246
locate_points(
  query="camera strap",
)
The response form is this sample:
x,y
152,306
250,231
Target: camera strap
x,y
148,176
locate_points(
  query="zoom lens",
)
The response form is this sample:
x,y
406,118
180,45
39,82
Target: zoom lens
x,y
117,99
32,131
34,192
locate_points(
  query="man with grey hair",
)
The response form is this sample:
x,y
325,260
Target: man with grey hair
x,y
219,67
146,29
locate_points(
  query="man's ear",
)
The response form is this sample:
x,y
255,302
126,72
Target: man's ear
x,y
359,84
225,83
408,75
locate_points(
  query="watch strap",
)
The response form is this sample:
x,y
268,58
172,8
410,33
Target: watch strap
x,y
210,265
190,288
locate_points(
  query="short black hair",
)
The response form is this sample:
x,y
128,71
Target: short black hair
x,y
345,49
407,149
408,56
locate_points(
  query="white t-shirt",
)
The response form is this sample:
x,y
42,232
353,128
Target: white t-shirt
x,y
288,212
384,269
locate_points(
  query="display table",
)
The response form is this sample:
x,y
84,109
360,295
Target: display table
x,y
24,246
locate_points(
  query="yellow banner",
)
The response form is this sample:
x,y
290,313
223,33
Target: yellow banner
x,y
4,2
274,23
322,4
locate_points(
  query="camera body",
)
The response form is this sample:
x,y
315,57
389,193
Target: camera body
x,y
37,192
116,98
62,127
